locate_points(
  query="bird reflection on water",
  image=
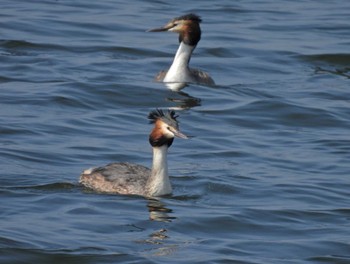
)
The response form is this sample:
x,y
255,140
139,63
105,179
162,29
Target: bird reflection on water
x,y
183,101
158,211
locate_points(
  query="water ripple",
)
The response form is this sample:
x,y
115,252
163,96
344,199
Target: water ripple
x,y
264,176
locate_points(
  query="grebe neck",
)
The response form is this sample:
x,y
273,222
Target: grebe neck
x,y
158,183
179,71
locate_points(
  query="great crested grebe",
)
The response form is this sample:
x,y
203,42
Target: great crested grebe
x,y
128,178
179,72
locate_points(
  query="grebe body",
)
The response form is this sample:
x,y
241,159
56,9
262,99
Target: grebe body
x,y
179,73
134,179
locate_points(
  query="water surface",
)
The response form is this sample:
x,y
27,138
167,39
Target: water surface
x,y
265,178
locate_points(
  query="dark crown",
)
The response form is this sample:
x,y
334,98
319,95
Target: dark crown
x,y
168,117
190,16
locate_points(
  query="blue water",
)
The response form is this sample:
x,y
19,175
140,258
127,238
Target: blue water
x,y
265,177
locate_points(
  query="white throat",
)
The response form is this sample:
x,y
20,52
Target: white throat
x,y
159,183
179,71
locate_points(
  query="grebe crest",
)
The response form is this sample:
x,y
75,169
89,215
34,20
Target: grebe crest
x,y
128,178
179,73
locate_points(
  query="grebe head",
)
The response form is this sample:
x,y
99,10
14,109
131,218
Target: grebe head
x,y
187,26
166,127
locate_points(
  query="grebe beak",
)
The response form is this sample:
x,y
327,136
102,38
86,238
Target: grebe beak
x,y
178,134
157,29
164,28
